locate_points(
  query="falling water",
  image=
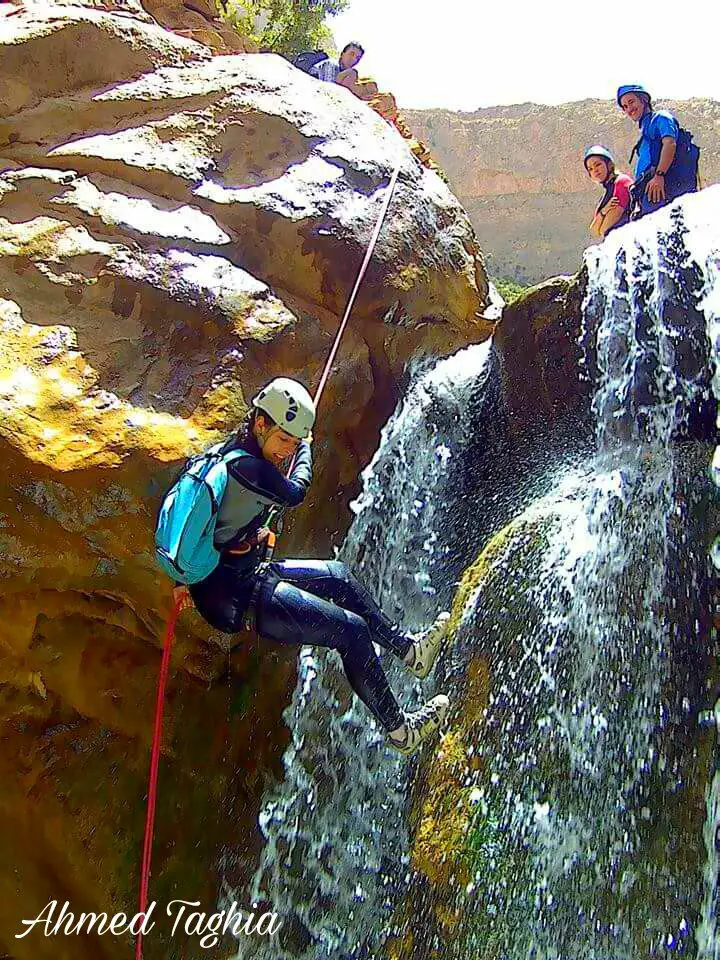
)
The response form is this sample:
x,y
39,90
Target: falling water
x,y
589,795
587,836
336,853
707,933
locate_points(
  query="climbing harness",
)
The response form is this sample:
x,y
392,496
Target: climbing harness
x,y
245,546
275,519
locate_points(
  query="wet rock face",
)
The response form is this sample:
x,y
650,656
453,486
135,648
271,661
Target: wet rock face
x,y
565,810
572,808
175,229
538,339
658,298
561,338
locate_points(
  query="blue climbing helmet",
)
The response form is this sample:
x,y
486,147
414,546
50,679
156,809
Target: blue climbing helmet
x,y
598,150
632,88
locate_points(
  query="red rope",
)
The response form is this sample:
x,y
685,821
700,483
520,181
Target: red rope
x,y
154,766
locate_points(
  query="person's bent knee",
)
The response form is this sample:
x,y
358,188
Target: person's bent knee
x,y
339,570
357,634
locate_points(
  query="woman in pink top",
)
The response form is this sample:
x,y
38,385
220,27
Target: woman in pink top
x,y
616,205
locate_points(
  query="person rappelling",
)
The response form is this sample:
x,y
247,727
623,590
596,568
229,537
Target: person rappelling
x,y
312,602
214,537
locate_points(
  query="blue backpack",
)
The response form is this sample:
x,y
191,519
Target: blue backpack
x,y
185,529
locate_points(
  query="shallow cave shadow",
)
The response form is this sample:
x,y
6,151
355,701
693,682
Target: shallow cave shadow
x,y
366,183
504,467
152,353
47,199
232,163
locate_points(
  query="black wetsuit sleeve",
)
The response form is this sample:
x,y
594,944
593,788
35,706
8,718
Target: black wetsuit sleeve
x,y
262,477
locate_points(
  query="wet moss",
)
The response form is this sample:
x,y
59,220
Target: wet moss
x,y
483,866
456,839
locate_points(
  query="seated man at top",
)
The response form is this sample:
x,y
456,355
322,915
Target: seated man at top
x,y
343,71
667,159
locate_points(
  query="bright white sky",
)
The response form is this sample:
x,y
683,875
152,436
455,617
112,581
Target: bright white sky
x,y
464,54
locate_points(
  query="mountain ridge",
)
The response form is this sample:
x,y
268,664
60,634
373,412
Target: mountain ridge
x,y
517,169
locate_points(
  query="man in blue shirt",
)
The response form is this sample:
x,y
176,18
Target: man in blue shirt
x,y
657,182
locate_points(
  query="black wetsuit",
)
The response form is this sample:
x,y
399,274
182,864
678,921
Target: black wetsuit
x,y
314,602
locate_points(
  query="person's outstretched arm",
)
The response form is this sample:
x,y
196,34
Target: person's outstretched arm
x,y
260,476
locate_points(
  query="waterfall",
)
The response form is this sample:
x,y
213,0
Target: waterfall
x,y
580,833
707,935
336,854
580,811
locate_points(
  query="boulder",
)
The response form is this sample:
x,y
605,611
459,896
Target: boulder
x,y
567,783
200,20
175,229
538,339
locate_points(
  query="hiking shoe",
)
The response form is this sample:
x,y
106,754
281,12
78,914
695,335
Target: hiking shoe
x,y
421,724
426,645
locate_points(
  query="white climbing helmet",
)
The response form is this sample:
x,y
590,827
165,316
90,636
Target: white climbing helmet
x,y
289,404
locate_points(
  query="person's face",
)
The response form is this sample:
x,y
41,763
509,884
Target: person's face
x,y
597,168
277,445
633,106
350,57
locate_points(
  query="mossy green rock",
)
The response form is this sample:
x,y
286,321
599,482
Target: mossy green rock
x,y
564,810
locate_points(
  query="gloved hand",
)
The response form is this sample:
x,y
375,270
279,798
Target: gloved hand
x,y
181,595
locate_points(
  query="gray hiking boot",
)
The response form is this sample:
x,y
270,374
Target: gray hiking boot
x,y
421,724
426,646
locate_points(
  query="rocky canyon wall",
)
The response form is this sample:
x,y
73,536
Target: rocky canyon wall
x,y
175,229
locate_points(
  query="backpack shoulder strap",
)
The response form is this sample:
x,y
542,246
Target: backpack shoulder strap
x,y
653,136
222,450
232,455
649,133
607,196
